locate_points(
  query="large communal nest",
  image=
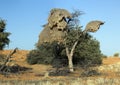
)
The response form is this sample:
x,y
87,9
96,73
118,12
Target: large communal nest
x,y
56,27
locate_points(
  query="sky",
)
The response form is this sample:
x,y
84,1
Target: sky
x,y
25,18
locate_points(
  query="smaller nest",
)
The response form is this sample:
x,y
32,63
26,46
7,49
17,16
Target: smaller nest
x,y
93,26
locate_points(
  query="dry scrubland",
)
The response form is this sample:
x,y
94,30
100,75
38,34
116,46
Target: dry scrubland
x,y
109,73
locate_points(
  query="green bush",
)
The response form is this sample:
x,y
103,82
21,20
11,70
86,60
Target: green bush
x,y
48,54
104,56
87,51
42,55
116,55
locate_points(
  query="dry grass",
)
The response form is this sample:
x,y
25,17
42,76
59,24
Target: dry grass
x,y
111,60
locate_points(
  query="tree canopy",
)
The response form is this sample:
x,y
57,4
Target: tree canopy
x,y
4,40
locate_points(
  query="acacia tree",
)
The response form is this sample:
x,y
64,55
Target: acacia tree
x,y
4,40
72,42
74,46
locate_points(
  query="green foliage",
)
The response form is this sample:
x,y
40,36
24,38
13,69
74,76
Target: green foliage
x,y
44,54
116,55
48,53
87,51
4,40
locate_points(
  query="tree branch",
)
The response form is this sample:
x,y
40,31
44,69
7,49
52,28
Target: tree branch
x,y
8,58
73,48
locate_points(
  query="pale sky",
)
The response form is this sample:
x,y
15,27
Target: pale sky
x,y
25,18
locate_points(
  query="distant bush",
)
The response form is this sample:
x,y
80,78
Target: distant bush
x,y
103,56
116,55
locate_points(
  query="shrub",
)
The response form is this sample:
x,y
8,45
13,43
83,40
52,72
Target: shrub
x,y
116,55
103,56
42,55
88,53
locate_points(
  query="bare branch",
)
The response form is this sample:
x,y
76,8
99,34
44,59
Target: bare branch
x,y
8,58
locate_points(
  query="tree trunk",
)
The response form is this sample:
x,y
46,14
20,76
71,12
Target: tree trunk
x,y
70,63
70,56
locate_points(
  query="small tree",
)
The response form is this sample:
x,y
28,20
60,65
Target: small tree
x,y
4,40
72,42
